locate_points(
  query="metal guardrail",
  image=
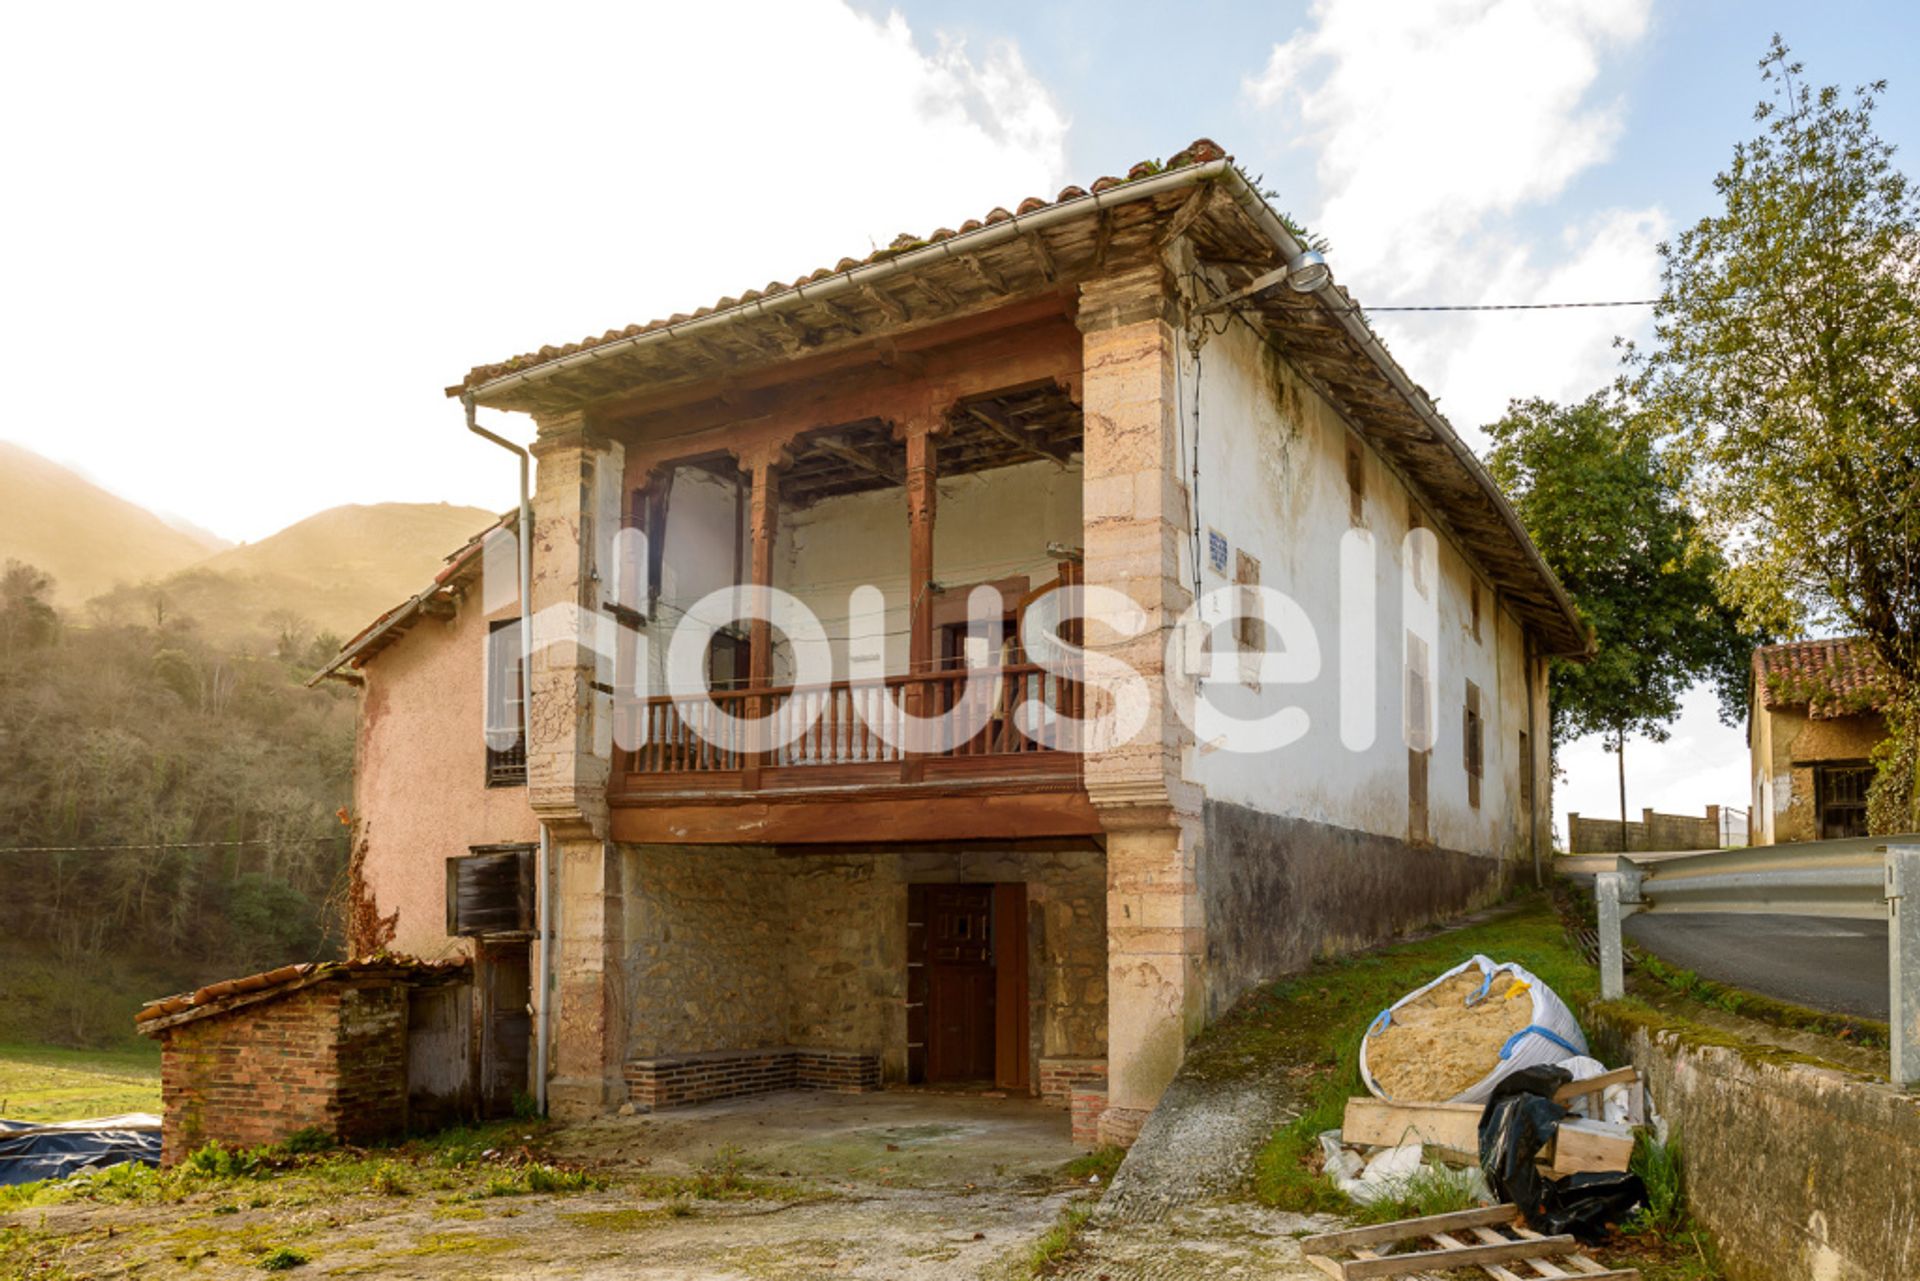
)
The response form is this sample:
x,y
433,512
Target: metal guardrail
x,y
1869,878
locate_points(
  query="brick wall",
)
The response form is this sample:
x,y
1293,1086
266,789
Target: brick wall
x,y
1085,1105
331,1056
684,1079
1058,1077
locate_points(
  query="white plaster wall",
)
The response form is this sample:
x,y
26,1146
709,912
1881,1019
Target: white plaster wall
x,y
988,525
1273,481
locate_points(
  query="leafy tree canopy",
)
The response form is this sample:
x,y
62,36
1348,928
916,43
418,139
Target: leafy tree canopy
x,y
1604,511
1785,372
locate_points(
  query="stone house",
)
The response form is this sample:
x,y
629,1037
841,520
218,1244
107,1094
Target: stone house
x,y
1131,395
1816,718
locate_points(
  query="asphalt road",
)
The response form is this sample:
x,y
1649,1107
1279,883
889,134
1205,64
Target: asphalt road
x,y
1827,964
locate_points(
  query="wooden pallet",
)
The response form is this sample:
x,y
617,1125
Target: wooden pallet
x,y
1493,1240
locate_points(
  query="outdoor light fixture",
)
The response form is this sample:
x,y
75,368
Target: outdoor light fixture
x,y
1304,273
1307,271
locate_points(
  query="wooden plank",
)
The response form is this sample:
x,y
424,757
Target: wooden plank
x,y
1400,1265
1383,1233
1377,1123
1572,1090
1454,1128
1588,1146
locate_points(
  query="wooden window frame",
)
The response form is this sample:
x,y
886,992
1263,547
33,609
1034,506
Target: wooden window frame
x,y
506,766
1473,743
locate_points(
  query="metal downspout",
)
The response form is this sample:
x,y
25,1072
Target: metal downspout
x,y
542,954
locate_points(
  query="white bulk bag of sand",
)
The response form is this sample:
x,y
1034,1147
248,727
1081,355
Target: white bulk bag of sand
x,y
1454,1039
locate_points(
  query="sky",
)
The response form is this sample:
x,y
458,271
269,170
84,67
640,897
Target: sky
x,y
245,247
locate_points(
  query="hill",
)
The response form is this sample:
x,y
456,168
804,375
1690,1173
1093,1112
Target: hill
x,y
87,538
334,571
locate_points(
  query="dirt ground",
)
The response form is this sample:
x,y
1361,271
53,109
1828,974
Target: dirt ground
x,y
897,1185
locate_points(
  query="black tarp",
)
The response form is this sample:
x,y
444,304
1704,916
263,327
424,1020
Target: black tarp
x,y
1521,1118
30,1150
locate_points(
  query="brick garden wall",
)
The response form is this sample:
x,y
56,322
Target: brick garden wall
x,y
331,1056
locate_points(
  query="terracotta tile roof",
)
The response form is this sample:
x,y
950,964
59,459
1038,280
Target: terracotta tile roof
x,y
1835,677
1200,151
459,569
215,998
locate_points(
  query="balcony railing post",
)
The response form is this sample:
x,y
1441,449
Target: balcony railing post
x,y
1903,963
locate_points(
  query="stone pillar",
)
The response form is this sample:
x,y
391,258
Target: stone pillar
x,y
1135,517
576,512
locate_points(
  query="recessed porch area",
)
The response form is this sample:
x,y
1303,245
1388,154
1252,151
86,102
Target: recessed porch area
x,y
755,970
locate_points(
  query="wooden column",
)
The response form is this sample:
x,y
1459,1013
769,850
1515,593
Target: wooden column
x,y
923,474
763,464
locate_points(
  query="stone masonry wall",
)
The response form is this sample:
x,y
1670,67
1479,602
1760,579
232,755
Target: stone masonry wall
x,y
1802,1173
707,937
331,1056
747,949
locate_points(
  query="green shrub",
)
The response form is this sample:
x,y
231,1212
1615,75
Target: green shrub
x,y
282,1258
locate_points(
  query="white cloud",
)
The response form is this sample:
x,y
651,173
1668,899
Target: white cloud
x,y
249,245
1446,135
1436,133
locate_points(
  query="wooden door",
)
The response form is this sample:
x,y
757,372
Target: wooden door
x,y
506,1028
1011,1025
960,982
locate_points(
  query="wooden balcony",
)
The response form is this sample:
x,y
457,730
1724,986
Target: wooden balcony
x,y
840,773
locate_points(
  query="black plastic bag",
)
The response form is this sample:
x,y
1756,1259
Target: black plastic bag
x,y
1521,1118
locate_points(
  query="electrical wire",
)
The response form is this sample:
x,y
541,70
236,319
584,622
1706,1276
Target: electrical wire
x,y
165,845
1513,306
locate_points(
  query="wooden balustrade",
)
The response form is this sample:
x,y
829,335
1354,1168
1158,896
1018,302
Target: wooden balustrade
x,y
847,723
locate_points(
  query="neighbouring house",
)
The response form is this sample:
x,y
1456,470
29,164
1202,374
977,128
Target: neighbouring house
x,y
357,1050
1134,390
1817,716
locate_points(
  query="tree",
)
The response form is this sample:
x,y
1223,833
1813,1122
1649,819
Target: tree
x,y
1785,373
1600,504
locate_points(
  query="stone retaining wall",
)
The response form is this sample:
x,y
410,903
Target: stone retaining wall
x,y
1802,1173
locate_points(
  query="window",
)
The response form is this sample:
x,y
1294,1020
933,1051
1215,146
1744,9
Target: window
x,y
490,891
1526,775
1473,740
1840,799
1356,483
506,716
1475,611
1418,724
1250,627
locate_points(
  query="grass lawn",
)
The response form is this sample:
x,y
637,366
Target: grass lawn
x,y
42,1083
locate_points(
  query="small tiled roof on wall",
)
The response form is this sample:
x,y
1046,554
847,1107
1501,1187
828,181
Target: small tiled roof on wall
x,y
1834,677
217,998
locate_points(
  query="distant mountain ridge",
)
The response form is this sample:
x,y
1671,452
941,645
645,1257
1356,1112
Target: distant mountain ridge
x,y
335,570
88,539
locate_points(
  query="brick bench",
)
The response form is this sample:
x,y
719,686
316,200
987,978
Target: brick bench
x,y
680,1080
1059,1076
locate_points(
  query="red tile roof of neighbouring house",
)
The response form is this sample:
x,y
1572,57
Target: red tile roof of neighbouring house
x,y
1838,676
